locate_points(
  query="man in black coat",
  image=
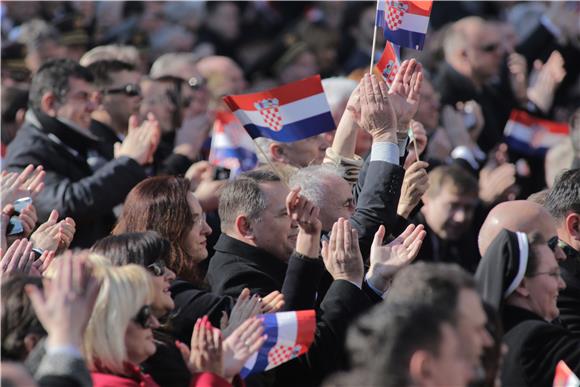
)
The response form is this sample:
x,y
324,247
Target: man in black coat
x,y
56,136
563,202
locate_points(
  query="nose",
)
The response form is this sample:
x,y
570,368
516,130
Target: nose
x,y
487,341
559,253
154,322
561,283
206,228
169,274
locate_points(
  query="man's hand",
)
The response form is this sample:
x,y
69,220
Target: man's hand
x,y
545,81
18,258
273,302
141,141
66,303
54,236
518,68
415,184
242,344
28,218
404,93
342,256
306,214
497,184
377,115
387,260
14,186
245,308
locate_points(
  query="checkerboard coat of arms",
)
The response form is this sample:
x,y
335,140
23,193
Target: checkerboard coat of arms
x,y
269,109
395,12
390,71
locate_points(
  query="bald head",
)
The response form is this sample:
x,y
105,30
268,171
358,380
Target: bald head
x,y
224,76
517,215
461,34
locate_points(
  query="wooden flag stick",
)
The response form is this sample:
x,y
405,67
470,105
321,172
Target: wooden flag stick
x,y
374,40
271,164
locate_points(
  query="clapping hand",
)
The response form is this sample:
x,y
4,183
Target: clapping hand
x,y
341,254
206,354
404,93
245,308
415,184
20,185
242,344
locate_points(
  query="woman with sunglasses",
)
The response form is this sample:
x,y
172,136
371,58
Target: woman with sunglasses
x,y
520,277
166,205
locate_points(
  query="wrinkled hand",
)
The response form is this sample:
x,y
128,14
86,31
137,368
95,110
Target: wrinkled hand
x,y
65,305
545,81
387,260
342,256
29,182
497,184
206,354
18,258
304,212
245,308
518,68
376,115
404,93
241,344
273,302
54,236
141,141
190,137
415,184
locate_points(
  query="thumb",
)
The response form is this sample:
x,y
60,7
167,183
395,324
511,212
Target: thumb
x,y
224,320
379,236
133,122
53,217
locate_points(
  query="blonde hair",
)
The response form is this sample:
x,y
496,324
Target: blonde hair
x,y
124,290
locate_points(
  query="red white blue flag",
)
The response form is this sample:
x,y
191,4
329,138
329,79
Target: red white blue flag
x,y
231,147
404,22
533,136
290,335
564,376
389,63
287,113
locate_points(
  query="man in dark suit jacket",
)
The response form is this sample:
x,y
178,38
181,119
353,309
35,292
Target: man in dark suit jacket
x,y
563,202
56,136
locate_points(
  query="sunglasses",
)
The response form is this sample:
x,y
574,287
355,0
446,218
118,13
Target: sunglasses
x,y
196,83
157,268
130,90
489,47
143,317
553,243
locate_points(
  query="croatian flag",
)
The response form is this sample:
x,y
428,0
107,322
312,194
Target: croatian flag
x,y
231,147
389,63
287,113
290,335
564,376
533,136
404,22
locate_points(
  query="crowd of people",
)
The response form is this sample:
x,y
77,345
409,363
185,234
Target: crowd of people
x,y
433,251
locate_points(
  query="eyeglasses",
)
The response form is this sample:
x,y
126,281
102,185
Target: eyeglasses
x,y
553,243
157,268
196,83
491,47
143,317
349,203
130,90
554,273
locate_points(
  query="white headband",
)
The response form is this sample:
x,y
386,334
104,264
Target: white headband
x,y
523,263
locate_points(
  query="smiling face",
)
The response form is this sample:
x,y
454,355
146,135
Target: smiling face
x,y
139,341
77,105
162,301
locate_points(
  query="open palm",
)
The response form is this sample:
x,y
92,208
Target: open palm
x,y
404,92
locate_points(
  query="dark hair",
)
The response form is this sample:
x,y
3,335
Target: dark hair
x,y
160,203
13,99
244,196
141,248
564,195
453,175
53,76
102,70
18,316
383,340
434,284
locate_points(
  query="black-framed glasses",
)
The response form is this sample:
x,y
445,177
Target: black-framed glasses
x,y
143,317
196,83
157,268
491,47
553,243
130,90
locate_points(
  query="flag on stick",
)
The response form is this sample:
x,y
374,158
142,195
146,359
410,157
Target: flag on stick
x,y
404,22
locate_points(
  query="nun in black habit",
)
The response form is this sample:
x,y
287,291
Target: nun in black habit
x,y
517,278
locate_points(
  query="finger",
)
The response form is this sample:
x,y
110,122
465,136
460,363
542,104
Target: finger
x,y
409,239
133,122
416,87
408,231
364,93
25,257
354,239
291,199
416,245
333,237
7,256
324,251
377,95
347,236
195,336
224,320
339,235
36,185
383,88
398,81
29,262
24,175
379,236
17,255
52,218
409,72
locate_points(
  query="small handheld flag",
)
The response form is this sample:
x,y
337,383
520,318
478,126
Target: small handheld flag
x,y
287,113
533,136
389,63
414,140
404,22
231,147
564,376
290,335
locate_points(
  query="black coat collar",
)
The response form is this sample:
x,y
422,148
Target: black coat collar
x,y
513,315
70,137
246,252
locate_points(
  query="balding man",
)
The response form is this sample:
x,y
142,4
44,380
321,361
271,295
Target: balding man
x,y
223,75
474,53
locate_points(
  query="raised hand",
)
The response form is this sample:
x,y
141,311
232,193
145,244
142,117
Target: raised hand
x,y
545,81
376,115
341,254
206,354
273,302
66,303
404,93
420,137
28,218
29,182
244,308
18,258
497,184
387,260
141,141
415,184
304,212
518,68
40,266
54,236
242,344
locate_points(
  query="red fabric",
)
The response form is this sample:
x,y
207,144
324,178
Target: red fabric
x,y
208,379
134,378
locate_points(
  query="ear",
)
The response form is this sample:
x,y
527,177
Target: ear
x,y
572,225
30,341
244,227
48,103
20,115
420,368
278,153
522,289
